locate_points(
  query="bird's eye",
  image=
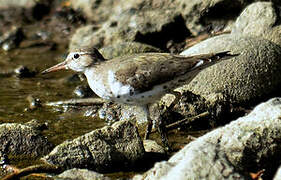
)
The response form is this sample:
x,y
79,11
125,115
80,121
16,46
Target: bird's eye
x,y
76,56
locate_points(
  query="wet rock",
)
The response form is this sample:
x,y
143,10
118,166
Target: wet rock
x,y
34,103
23,140
110,112
108,149
81,174
259,19
23,72
134,113
20,72
83,91
251,75
126,48
249,144
12,38
134,26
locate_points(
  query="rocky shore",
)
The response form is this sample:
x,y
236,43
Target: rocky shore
x,y
226,124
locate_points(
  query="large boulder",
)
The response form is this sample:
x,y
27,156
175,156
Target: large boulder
x,y
23,140
116,147
251,75
246,145
259,19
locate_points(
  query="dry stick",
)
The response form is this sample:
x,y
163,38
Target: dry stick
x,y
41,168
186,120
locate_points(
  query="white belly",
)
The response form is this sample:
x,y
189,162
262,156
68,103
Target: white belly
x,y
113,90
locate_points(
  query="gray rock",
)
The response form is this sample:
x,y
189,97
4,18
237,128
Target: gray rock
x,y
95,10
193,12
23,139
241,146
196,12
99,11
253,74
126,48
259,19
17,3
133,26
81,174
83,91
104,150
84,37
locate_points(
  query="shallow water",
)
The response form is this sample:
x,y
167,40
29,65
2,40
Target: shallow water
x,y
62,124
14,92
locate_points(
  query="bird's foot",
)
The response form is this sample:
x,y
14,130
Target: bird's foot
x,y
164,138
148,129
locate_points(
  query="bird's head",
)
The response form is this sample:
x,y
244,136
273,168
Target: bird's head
x,y
78,60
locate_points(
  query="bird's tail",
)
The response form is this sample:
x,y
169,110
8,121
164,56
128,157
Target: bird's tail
x,y
223,55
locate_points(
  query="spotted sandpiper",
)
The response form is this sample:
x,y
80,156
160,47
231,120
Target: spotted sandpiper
x,y
139,79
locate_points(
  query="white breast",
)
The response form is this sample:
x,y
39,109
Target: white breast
x,y
108,87
95,82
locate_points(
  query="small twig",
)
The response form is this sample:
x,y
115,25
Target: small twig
x,y
41,168
186,120
183,121
78,102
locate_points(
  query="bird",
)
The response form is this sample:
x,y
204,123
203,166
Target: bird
x,y
137,79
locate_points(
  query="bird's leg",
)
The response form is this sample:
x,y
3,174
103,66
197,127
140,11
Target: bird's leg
x,y
176,100
149,122
163,132
160,127
161,123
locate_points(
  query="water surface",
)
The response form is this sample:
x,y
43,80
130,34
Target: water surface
x,y
14,92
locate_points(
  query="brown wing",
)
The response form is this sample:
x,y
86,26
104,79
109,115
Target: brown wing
x,y
144,71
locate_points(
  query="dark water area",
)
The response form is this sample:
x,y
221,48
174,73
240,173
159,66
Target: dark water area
x,y
14,106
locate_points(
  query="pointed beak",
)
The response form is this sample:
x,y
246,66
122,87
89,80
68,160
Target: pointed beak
x,y
57,67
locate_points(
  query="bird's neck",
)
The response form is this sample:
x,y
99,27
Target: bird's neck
x,y
90,74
